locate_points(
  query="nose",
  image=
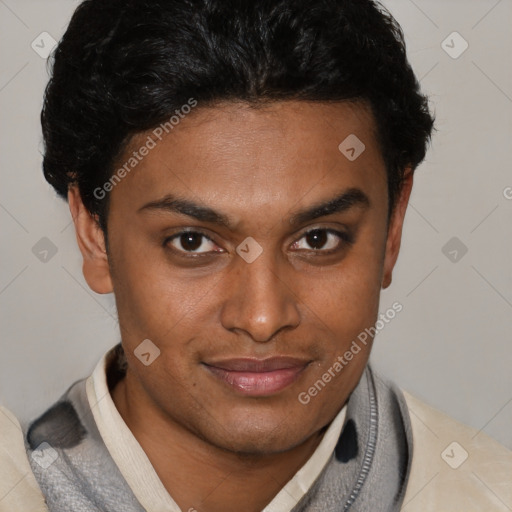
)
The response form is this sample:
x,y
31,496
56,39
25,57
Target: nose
x,y
261,301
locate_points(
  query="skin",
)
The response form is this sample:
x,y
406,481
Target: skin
x,y
257,166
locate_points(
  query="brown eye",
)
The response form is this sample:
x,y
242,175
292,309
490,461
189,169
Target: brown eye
x,y
317,238
322,240
191,242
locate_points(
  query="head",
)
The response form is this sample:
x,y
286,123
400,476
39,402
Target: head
x,y
238,174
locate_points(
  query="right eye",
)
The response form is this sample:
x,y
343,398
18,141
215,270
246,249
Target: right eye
x,y
190,242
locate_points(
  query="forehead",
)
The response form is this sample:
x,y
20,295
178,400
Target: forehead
x,y
242,157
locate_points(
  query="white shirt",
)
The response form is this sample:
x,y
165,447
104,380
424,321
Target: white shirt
x,y
140,475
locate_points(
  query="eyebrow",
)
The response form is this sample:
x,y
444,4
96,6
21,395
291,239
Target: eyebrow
x,y
350,198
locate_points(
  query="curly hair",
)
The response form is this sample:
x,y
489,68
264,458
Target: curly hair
x,y
124,66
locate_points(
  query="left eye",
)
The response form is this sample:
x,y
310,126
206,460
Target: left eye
x,y
321,240
192,242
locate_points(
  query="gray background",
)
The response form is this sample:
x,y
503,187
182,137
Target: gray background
x,y
451,345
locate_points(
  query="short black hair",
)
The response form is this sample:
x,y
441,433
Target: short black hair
x,y
125,66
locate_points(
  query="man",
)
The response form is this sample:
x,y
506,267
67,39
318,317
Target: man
x,y
238,175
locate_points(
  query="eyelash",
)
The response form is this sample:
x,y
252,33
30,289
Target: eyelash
x,y
345,240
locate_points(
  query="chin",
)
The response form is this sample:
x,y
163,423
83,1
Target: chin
x,y
258,438
256,446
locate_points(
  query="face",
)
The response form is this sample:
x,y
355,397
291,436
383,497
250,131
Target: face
x,y
251,251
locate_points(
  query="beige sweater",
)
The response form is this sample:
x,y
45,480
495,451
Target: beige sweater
x,y
455,468
19,491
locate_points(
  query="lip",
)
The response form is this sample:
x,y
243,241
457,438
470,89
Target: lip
x,y
258,377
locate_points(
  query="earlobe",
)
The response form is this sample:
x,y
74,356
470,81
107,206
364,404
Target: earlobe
x,y
91,242
395,229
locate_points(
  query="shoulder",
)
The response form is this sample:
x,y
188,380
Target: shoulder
x,y
454,467
18,487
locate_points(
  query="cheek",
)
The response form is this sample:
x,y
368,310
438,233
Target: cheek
x,y
147,286
348,305
352,294
150,302
347,325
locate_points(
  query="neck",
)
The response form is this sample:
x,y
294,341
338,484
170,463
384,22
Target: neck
x,y
197,474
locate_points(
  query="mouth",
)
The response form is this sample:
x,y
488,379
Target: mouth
x,y
258,377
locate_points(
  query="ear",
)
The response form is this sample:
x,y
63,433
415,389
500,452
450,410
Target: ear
x,y
91,243
396,223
